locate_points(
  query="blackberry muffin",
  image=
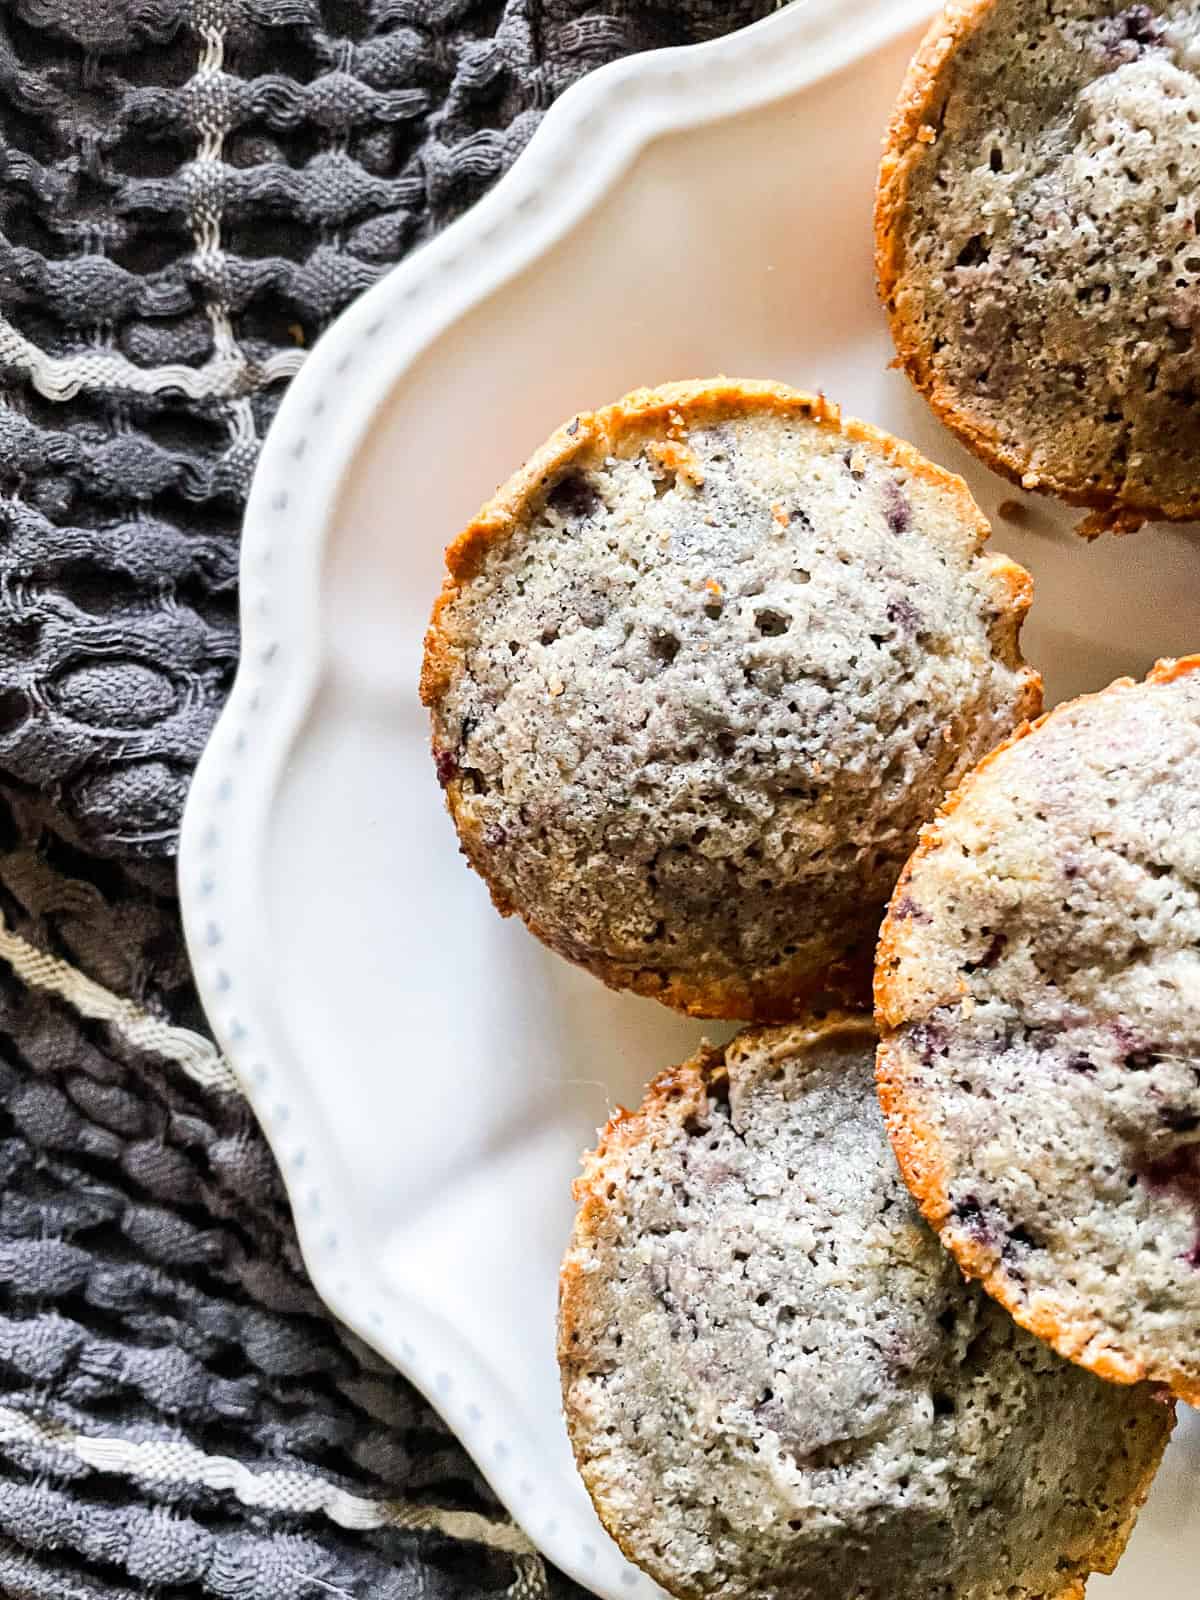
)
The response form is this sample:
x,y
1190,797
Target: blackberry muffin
x,y
777,1383
1038,992
1037,249
698,674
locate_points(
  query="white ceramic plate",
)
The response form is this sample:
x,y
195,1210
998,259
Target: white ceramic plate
x,y
426,1073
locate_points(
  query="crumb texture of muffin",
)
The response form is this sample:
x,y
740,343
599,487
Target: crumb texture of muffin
x,y
1037,246
777,1383
697,676
1038,990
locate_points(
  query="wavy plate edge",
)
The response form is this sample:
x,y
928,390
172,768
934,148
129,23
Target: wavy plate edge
x,y
584,144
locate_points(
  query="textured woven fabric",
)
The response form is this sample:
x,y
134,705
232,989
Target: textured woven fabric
x,y
189,191
175,1406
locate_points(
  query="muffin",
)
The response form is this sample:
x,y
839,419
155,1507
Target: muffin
x,y
698,674
1038,993
1037,250
777,1383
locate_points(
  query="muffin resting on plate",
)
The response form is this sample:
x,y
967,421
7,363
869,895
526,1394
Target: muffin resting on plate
x,y
1039,994
1037,250
700,671
777,1382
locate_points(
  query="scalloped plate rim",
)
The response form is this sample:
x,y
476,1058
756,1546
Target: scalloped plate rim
x,y
621,107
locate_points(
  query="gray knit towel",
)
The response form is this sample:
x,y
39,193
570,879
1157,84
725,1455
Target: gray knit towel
x,y
189,191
